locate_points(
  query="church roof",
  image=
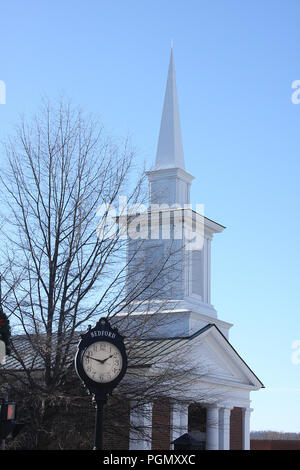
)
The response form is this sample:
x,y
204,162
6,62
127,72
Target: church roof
x,y
29,355
146,352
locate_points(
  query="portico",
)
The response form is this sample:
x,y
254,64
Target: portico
x,y
217,427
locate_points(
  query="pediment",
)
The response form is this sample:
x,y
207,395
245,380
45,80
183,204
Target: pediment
x,y
220,361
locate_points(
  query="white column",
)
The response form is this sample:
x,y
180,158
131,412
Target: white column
x,y
175,421
179,420
184,418
224,428
212,427
246,428
208,271
140,426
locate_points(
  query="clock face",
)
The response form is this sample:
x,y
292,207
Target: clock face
x,y
102,362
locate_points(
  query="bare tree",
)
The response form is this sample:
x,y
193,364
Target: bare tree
x,y
59,273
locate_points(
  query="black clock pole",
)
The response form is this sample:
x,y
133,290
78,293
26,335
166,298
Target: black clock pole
x,y
98,435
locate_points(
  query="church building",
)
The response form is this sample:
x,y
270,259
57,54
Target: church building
x,y
214,411
189,387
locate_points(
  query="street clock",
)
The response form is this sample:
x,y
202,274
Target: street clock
x,y
101,359
101,363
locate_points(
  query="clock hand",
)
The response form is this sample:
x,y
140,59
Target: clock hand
x,y
107,358
98,360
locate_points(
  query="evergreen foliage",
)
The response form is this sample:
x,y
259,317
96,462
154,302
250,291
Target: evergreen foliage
x,y
5,332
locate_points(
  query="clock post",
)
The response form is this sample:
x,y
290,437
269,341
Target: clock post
x,y
101,363
98,434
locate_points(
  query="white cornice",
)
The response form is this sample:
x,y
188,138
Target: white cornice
x,y
169,172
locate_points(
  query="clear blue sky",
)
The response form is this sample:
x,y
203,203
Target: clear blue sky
x,y
235,62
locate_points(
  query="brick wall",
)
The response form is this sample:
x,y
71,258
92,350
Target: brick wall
x,y
161,428
257,444
236,429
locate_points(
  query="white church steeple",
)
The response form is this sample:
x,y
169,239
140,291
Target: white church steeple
x,y
170,149
169,182
174,227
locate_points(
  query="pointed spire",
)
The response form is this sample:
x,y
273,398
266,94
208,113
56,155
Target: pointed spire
x,y
169,149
